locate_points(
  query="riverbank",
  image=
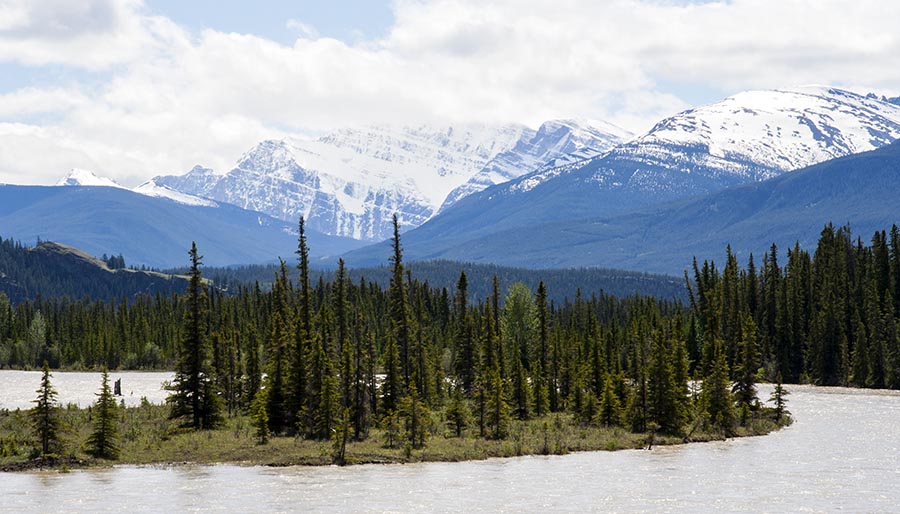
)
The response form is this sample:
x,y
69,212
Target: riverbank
x,y
146,436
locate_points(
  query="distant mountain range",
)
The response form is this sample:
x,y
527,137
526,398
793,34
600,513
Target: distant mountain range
x,y
571,193
746,138
860,190
351,182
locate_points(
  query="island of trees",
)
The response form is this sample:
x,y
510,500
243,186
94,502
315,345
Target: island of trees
x,y
339,371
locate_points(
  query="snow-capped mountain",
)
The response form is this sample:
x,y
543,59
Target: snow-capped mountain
x,y
352,181
80,177
554,144
199,181
756,135
859,189
745,138
152,188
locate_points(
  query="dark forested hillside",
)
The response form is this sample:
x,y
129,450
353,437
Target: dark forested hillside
x,y
56,270
561,284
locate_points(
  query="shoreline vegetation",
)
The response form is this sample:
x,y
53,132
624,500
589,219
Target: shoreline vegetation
x,y
146,436
345,373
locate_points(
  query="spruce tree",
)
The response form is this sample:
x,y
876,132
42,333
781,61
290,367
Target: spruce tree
x,y
302,333
276,371
194,398
521,391
391,387
541,395
458,414
323,393
744,388
361,410
45,415
464,363
665,407
102,443
259,416
496,407
777,398
399,306
716,394
414,415
610,410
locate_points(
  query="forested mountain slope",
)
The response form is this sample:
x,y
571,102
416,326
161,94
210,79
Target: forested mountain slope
x,y
53,270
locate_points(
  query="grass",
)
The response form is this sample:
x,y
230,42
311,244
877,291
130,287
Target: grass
x,y
147,436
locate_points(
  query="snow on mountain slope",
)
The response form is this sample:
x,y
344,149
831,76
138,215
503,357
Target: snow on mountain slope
x,y
760,134
352,181
152,188
554,144
199,181
746,138
80,177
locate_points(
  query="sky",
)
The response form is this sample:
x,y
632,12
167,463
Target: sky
x,y
135,88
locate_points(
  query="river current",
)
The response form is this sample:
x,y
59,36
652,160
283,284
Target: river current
x,y
841,454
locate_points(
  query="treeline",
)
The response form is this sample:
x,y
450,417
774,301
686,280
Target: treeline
x,y
341,358
829,318
560,283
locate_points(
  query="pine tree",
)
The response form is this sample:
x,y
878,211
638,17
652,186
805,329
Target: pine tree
x,y
102,441
458,414
302,334
777,398
716,394
260,416
665,407
590,408
610,410
254,372
521,391
323,394
399,307
497,410
541,395
464,363
414,415
361,410
339,438
276,371
45,415
391,387
194,398
744,388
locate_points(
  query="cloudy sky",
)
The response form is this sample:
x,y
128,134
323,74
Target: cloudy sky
x,y
134,88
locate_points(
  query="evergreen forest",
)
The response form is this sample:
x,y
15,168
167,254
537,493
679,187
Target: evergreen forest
x,y
335,360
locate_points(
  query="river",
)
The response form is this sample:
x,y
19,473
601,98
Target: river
x,y
18,388
841,454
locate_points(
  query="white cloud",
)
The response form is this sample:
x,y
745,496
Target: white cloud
x,y
304,29
177,98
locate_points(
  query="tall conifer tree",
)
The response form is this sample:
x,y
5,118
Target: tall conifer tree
x,y
194,398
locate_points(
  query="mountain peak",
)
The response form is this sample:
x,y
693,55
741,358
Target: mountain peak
x,y
271,154
80,177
